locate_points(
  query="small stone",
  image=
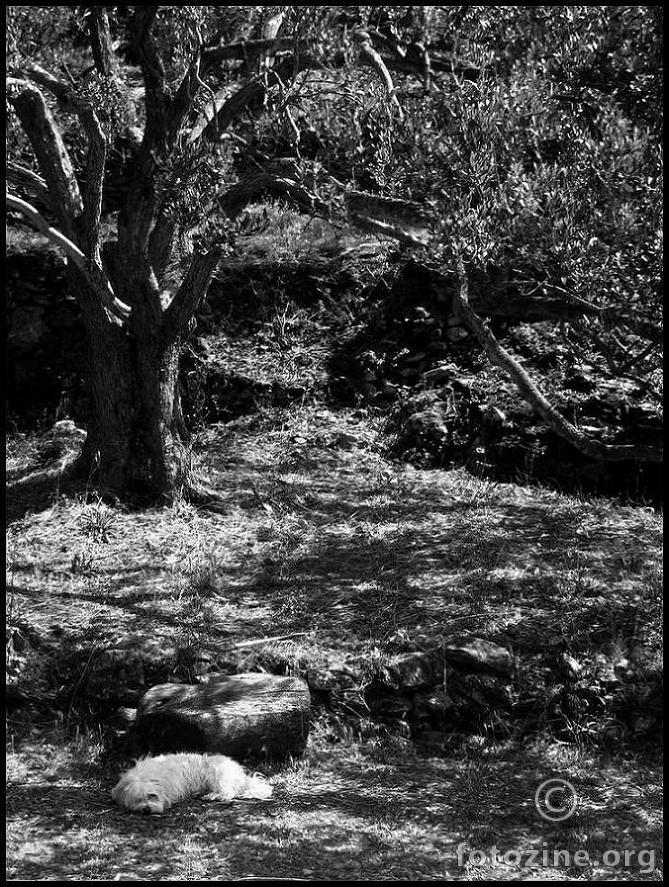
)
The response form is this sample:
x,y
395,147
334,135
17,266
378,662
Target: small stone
x,y
415,671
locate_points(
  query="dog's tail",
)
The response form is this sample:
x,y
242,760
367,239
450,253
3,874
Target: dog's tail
x,y
257,787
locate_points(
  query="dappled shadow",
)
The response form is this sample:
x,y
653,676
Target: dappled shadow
x,y
42,796
320,536
352,813
32,492
521,564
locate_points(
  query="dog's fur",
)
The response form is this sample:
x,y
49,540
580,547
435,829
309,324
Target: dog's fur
x,y
154,784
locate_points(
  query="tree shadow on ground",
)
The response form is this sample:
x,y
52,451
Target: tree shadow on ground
x,y
33,492
351,812
351,552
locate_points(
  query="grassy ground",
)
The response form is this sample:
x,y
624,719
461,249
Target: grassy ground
x,y
322,537
353,810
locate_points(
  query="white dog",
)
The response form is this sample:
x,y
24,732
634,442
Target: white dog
x,y
154,784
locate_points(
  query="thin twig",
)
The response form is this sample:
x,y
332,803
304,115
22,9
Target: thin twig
x,y
258,641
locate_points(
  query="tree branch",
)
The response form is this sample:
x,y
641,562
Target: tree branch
x,y
92,271
192,81
500,357
281,179
156,95
183,99
384,229
371,57
95,176
405,213
191,292
161,242
97,154
403,220
99,35
652,332
30,182
61,91
215,121
51,153
395,59
213,55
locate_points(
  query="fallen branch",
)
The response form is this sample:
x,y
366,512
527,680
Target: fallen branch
x,y
283,179
500,357
214,54
384,229
258,641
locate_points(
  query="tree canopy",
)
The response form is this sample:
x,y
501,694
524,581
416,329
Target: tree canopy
x,y
518,137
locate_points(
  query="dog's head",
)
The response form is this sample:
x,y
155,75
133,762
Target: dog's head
x,y
139,795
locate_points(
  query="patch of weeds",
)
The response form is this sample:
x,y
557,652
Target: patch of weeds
x,y
12,562
576,581
83,561
194,863
97,521
278,658
631,560
51,745
474,550
202,574
295,607
373,666
195,615
15,641
277,568
470,491
196,619
331,728
395,480
12,607
383,611
481,587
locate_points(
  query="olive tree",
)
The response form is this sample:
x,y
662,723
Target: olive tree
x,y
161,151
167,83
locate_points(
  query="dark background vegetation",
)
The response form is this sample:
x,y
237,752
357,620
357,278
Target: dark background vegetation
x,y
541,158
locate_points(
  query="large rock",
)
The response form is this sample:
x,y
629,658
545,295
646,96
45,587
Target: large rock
x,y
417,671
478,655
238,715
423,669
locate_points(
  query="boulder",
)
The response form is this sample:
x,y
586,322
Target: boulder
x,y
416,671
244,715
428,427
479,656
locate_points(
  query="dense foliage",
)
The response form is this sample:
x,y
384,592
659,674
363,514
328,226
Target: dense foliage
x,y
533,145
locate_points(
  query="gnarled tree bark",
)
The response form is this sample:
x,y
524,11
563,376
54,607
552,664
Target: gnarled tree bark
x,y
136,442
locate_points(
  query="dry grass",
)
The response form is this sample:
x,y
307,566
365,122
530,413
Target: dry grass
x,y
348,811
322,536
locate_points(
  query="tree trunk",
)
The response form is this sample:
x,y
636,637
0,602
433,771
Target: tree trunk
x,y
136,441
